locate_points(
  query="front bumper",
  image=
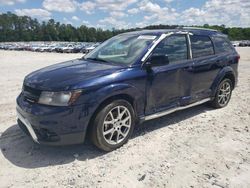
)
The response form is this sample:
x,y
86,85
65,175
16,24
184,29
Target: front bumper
x,y
51,125
23,121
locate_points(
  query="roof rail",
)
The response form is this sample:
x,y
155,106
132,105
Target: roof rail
x,y
201,28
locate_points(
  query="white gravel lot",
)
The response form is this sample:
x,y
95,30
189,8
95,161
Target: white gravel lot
x,y
197,147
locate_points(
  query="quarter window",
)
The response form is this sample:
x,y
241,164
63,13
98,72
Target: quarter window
x,y
222,45
201,46
175,47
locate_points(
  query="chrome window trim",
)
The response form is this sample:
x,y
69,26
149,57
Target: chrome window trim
x,y
189,46
163,36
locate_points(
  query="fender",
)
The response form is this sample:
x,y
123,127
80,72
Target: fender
x,y
113,90
97,97
223,72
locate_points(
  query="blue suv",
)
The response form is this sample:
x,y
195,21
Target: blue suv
x,y
128,79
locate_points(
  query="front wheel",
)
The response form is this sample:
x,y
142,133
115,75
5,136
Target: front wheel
x,y
113,125
223,94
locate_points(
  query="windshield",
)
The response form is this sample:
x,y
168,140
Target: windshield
x,y
122,49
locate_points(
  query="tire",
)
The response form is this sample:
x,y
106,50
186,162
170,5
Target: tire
x,y
111,131
223,94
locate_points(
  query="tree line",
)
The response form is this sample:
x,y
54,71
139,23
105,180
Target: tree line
x,y
24,28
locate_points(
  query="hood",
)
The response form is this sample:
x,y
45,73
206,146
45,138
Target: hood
x,y
67,75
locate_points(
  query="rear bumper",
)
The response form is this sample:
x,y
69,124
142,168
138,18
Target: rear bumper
x,y
52,125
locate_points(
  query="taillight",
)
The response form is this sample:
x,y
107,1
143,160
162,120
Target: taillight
x,y
237,58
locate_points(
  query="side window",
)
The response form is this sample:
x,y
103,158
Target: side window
x,y
201,46
222,45
175,47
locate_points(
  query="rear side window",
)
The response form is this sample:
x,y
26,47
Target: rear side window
x,y
201,46
175,47
222,45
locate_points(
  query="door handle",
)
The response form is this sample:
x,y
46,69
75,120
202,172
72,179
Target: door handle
x,y
189,68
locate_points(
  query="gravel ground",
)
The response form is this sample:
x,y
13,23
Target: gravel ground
x,y
197,147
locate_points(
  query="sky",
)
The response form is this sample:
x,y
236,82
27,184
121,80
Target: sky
x,y
119,14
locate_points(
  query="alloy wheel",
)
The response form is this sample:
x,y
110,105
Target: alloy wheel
x,y
224,93
116,125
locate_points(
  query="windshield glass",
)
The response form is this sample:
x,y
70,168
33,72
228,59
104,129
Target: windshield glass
x,y
122,49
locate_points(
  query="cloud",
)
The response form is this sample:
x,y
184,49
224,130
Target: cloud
x,y
150,7
66,21
140,24
119,24
60,5
88,7
133,11
168,1
213,12
114,5
146,12
85,22
106,5
155,14
11,2
36,13
101,26
118,14
75,18
230,13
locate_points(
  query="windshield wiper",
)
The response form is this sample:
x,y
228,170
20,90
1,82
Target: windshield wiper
x,y
96,59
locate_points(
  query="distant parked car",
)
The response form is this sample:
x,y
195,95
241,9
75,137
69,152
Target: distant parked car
x,y
59,48
27,47
43,48
52,48
244,43
88,49
130,78
68,48
12,47
34,48
77,48
235,44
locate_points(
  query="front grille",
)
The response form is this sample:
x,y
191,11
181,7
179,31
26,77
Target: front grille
x,y
30,94
46,135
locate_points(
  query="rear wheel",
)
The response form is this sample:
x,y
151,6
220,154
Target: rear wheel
x,y
113,125
223,94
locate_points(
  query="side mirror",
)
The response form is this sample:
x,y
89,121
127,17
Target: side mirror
x,y
157,60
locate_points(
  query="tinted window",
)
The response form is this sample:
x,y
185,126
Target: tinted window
x,y
175,47
201,46
221,45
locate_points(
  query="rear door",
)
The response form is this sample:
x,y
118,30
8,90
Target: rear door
x,y
205,66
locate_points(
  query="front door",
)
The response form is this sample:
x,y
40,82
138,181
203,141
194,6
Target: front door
x,y
168,84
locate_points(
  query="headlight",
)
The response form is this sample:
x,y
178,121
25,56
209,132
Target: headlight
x,y
63,98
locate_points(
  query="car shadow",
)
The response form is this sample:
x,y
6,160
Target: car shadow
x,y
21,151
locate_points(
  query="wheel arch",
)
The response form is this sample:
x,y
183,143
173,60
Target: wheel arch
x,y
231,77
131,97
227,72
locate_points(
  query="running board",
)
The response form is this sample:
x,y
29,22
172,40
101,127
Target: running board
x,y
163,113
